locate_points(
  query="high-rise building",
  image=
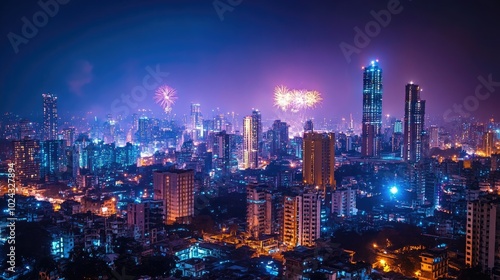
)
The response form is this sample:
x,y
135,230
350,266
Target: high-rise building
x,y
27,129
434,136
319,159
372,110
259,210
144,132
488,143
483,235
69,136
196,120
495,162
413,124
279,139
27,160
222,150
49,116
176,189
308,126
344,202
252,133
301,219
51,160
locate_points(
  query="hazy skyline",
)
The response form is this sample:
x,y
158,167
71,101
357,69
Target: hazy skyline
x,y
90,53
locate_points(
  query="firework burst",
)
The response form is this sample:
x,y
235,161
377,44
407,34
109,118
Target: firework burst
x,y
295,100
165,96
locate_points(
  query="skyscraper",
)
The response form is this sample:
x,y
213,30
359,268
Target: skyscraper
x,y
319,159
49,116
488,143
52,159
196,120
176,189
434,136
252,132
279,139
413,124
27,160
372,110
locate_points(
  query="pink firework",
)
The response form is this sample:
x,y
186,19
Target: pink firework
x,y
165,96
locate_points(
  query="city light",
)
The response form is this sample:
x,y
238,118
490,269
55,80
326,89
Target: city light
x,y
394,190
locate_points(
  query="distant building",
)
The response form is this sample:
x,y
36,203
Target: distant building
x,y
259,203
319,160
344,202
176,189
50,117
488,143
495,162
103,207
52,159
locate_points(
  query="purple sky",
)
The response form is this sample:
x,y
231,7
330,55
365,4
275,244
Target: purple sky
x,y
90,53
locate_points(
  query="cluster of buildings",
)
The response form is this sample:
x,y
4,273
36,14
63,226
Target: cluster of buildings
x,y
156,181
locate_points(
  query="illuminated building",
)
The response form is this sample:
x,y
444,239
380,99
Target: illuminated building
x,y
495,162
176,189
252,131
144,217
344,202
52,160
27,129
27,160
144,132
279,139
69,136
296,145
223,151
434,136
219,122
308,126
433,264
488,143
196,120
49,116
319,159
105,207
413,124
483,221
372,110
301,219
259,202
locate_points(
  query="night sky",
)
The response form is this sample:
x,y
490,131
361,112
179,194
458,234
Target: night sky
x,y
91,52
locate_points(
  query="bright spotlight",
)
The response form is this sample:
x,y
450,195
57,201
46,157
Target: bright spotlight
x,y
394,190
